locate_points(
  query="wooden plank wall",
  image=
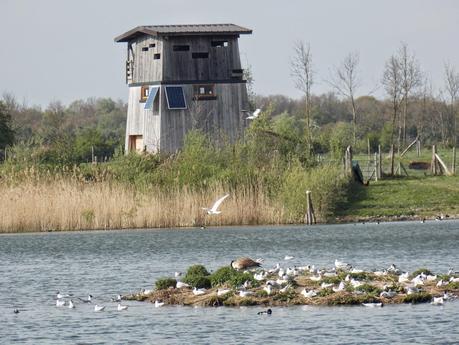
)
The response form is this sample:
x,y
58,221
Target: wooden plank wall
x,y
146,68
179,65
221,117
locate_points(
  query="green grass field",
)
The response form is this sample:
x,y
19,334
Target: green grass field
x,y
411,197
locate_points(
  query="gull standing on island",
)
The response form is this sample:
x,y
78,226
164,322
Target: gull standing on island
x,y
215,206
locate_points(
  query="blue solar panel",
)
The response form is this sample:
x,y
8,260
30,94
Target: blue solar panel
x,y
175,97
151,97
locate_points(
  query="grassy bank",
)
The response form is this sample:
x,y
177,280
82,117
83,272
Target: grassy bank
x,y
404,197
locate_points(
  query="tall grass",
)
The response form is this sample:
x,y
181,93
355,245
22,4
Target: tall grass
x,y
67,204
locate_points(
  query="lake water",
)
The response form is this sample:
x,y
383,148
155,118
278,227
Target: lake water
x,y
104,263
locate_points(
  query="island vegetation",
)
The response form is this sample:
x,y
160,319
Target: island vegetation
x,y
300,286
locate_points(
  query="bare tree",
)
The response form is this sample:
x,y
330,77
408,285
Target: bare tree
x,y
411,79
302,73
346,81
392,81
452,89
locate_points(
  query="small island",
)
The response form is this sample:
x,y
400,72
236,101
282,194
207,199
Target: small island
x,y
305,285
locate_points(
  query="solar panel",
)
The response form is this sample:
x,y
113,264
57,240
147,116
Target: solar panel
x,y
175,97
151,97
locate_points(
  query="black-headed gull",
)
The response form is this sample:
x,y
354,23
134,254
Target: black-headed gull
x,y
215,206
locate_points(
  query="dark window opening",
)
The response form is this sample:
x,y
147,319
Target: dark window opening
x,y
204,92
144,49
157,56
238,71
152,45
144,92
200,55
219,43
181,48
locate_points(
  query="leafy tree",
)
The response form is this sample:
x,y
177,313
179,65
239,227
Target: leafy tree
x,y
6,130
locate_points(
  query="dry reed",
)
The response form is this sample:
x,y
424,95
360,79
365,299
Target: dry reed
x,y
60,203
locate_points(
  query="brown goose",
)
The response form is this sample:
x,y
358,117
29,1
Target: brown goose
x,y
244,263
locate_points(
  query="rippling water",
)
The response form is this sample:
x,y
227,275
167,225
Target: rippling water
x,y
34,266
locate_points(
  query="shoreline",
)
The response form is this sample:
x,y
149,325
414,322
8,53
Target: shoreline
x,y
338,221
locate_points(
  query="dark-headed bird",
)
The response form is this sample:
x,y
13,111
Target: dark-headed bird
x,y
244,263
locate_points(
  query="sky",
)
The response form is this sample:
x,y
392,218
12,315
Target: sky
x,y
59,50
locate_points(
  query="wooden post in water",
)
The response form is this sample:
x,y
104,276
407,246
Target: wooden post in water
x,y
453,163
310,217
392,160
433,164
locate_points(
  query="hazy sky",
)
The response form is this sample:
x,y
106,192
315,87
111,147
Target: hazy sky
x,y
64,50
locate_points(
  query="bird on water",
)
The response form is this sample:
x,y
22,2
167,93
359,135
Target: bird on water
x,y
268,312
244,263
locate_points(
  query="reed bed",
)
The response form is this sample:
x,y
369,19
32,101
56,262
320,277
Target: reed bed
x,y
59,203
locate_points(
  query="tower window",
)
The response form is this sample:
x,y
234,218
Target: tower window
x,y
152,45
144,92
204,92
144,49
200,55
219,43
157,56
181,48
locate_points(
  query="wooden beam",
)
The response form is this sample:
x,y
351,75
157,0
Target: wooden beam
x,y
453,164
443,165
409,146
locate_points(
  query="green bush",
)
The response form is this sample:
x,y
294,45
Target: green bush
x,y
231,277
197,270
420,297
198,281
370,289
165,283
325,292
419,271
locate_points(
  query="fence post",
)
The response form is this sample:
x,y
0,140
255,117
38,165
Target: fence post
x,y
376,167
433,164
380,162
418,148
309,217
392,160
453,164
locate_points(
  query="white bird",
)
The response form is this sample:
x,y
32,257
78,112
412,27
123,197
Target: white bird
x,y
254,115
247,284
356,283
403,278
60,296
158,304
417,281
181,285
215,206
118,298
177,274
393,269
431,278
288,257
99,307
380,273
372,305
355,270
447,296
281,281
387,294
284,289
260,276
453,280
437,301
275,269
198,292
342,265
87,300
411,290
243,293
308,294
122,307
221,292
326,285
71,305
268,289
440,283
146,291
339,288
315,278
330,274
60,303
450,271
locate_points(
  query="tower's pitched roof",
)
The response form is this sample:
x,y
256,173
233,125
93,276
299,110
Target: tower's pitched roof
x,y
183,30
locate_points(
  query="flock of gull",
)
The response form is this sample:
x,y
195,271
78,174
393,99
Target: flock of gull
x,y
283,283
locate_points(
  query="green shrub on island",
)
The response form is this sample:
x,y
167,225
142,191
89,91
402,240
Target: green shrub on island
x,y
426,271
197,270
165,283
369,289
420,297
325,292
229,276
453,285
